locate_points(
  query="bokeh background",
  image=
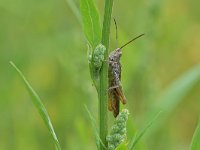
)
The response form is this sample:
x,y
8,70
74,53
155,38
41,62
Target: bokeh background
x,y
45,40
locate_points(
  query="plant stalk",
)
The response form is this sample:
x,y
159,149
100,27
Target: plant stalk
x,y
103,90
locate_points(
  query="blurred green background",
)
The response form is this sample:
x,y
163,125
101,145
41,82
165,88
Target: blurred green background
x,y
45,40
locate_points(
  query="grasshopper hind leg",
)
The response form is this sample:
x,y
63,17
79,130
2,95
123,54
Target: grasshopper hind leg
x,y
116,106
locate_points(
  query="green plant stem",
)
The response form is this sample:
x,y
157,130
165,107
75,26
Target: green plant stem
x,y
103,95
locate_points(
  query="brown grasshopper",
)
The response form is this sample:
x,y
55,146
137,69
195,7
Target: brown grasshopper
x,y
115,91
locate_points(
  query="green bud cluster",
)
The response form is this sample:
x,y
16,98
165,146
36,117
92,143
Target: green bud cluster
x,y
98,56
118,131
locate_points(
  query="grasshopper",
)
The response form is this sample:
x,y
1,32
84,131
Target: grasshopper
x,y
115,91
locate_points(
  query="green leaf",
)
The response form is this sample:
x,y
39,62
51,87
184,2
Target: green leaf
x,y
74,9
138,136
95,129
91,23
174,94
122,146
40,107
195,144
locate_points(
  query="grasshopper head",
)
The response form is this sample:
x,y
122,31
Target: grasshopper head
x,y
118,53
115,55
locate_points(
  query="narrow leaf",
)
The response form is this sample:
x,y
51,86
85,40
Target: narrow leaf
x,y
179,89
91,23
40,107
174,94
95,129
122,146
195,144
74,9
138,136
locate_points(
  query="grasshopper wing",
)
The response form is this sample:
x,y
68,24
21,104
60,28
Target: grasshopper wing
x,y
113,103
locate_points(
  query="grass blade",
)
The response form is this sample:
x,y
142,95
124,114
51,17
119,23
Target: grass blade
x,y
174,94
91,24
138,136
40,107
179,88
195,144
74,9
95,129
122,146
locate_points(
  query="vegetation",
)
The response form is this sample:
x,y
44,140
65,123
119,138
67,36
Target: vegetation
x,y
160,72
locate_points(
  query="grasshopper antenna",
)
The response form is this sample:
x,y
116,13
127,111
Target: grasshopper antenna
x,y
131,40
116,31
